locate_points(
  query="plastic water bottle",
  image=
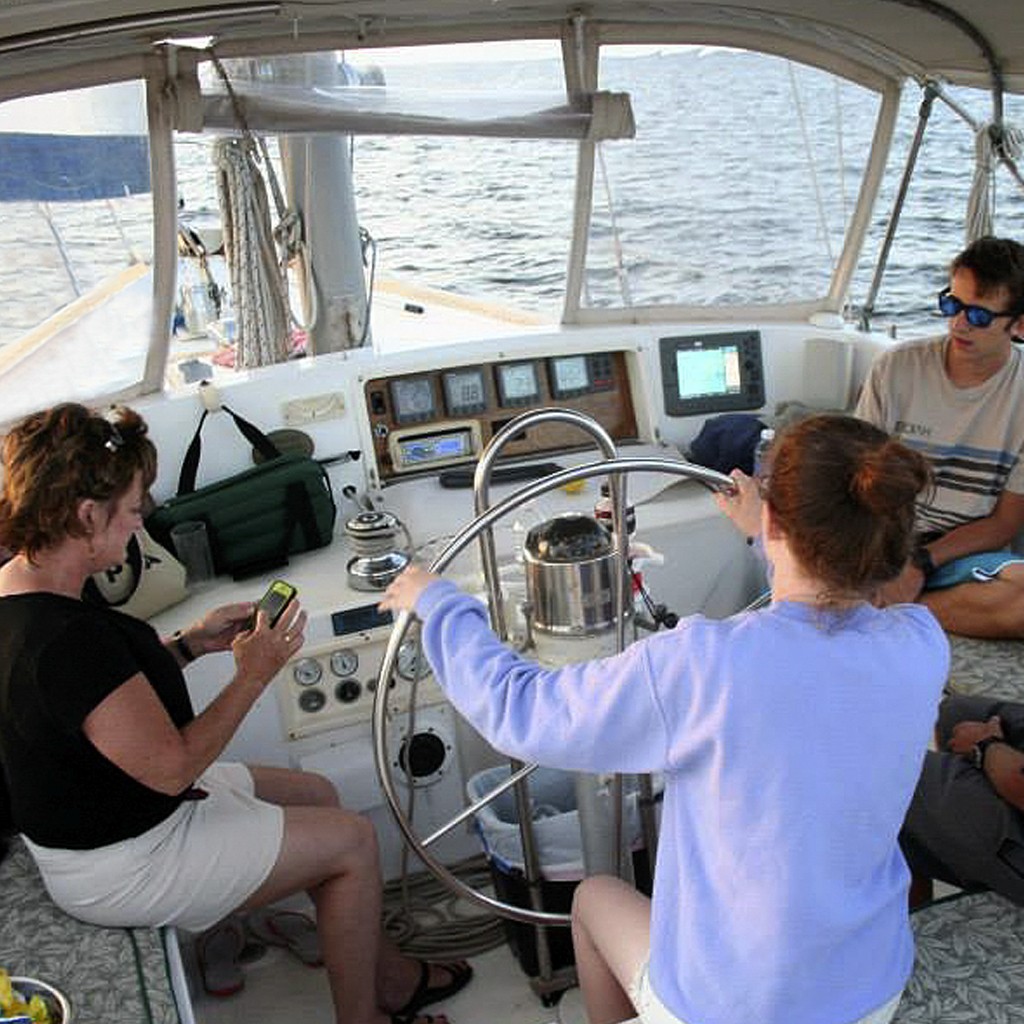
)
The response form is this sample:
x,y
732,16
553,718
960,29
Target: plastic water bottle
x,y
764,443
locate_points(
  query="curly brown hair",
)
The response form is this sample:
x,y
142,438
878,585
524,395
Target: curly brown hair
x,y
843,493
55,458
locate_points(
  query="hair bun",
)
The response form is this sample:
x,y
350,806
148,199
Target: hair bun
x,y
888,478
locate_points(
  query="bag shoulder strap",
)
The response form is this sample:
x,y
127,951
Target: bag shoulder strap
x,y
190,463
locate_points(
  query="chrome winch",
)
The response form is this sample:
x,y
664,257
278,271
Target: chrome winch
x,y
380,556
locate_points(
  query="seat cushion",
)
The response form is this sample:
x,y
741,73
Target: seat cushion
x,y
969,966
113,975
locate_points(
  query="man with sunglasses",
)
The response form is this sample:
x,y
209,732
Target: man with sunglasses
x,y
959,400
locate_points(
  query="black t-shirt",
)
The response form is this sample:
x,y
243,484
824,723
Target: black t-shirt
x,y
59,659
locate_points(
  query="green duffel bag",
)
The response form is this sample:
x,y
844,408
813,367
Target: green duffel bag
x,y
256,518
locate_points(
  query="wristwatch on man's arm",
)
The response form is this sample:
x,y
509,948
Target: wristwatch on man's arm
x,y
980,748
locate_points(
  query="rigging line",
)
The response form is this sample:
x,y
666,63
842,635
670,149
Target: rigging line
x,y
65,256
818,199
840,152
1003,152
962,112
310,292
620,268
923,115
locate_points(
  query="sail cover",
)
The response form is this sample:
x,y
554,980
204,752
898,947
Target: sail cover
x,y
95,145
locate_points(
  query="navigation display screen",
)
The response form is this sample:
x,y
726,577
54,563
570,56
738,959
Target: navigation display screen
x,y
711,371
705,373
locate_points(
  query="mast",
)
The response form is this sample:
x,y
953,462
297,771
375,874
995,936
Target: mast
x,y
318,180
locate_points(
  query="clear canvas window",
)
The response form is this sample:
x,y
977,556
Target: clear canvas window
x,y
740,183
452,236
76,244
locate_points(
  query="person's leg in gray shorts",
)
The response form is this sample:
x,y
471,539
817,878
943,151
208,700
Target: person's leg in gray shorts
x,y
958,828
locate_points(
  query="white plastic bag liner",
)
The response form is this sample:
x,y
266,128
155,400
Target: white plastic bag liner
x,y
556,822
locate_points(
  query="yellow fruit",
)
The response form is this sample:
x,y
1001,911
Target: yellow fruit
x,y
38,1010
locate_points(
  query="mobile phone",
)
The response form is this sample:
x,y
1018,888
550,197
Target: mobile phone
x,y
278,596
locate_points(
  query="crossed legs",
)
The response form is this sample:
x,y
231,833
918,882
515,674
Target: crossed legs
x,y
611,934
331,853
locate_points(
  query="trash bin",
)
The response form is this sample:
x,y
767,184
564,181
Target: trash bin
x,y
556,832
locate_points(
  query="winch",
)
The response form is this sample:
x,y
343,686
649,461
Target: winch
x,y
379,557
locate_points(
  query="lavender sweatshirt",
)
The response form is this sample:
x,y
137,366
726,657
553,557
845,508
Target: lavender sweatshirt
x,y
791,743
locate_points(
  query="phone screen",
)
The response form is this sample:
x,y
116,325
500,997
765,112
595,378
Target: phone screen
x,y
278,596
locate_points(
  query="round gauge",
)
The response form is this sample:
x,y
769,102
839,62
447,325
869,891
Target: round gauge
x,y
411,662
347,691
344,662
312,700
307,672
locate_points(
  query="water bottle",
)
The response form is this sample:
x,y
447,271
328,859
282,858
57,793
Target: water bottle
x,y
764,443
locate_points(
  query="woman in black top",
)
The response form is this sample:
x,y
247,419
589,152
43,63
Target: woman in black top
x,y
114,780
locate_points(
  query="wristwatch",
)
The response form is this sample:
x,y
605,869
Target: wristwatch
x,y
979,749
183,649
922,558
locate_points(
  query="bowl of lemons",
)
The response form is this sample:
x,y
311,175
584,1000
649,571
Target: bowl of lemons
x,y
28,999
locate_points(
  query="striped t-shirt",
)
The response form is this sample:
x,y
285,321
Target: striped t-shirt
x,y
973,437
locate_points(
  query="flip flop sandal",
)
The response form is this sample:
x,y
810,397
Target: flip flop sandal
x,y
218,951
425,995
293,931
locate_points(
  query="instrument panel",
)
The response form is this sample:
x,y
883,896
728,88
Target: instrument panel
x,y
435,418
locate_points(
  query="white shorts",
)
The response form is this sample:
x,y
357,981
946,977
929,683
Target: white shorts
x,y
651,1010
191,870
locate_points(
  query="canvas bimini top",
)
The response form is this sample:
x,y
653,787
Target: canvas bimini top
x,y
969,42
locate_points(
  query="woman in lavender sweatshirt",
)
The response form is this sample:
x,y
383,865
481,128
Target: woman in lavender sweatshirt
x,y
790,740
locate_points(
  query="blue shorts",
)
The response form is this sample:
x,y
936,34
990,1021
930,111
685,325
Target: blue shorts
x,y
979,568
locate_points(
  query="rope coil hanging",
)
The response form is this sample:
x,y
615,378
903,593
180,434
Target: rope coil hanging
x,y
988,151
258,255
258,285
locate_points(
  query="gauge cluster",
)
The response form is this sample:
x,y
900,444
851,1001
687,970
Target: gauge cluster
x,y
333,685
425,421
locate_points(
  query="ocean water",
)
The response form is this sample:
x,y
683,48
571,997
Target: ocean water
x,y
737,189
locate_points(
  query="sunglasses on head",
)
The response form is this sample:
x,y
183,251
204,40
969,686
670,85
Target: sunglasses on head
x,y
977,316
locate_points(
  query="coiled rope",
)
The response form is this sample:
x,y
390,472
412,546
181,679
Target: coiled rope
x,y
427,920
982,200
257,284
258,255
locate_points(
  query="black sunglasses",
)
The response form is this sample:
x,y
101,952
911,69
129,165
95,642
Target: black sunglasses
x,y
977,316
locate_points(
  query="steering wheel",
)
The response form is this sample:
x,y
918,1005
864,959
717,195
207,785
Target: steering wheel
x,y
421,846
